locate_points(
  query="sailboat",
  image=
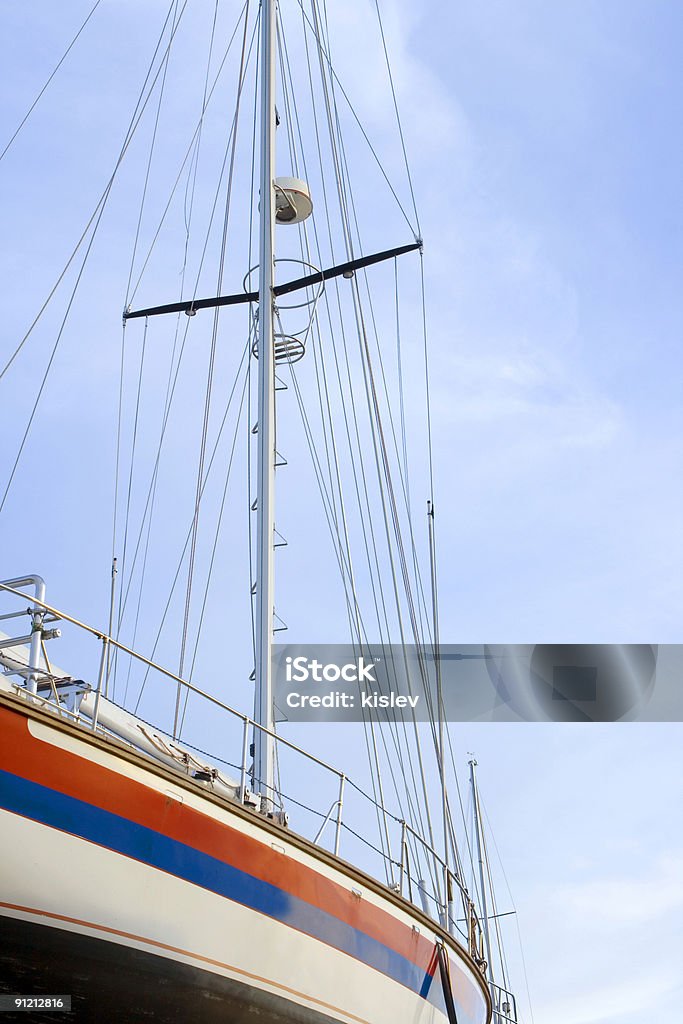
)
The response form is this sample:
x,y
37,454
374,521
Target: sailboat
x,y
143,878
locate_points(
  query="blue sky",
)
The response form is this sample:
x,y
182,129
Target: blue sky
x,y
545,152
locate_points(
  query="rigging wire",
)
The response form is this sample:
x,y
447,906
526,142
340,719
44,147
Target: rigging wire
x,y
329,316
381,456
96,219
188,321
342,544
50,77
334,76
514,909
461,805
331,453
190,189
148,511
326,300
402,463
428,400
191,184
148,169
136,417
437,742
331,448
99,207
402,475
319,348
214,548
350,396
416,623
189,531
212,358
494,911
320,477
151,493
119,424
398,116
194,148
421,596
343,187
189,152
384,480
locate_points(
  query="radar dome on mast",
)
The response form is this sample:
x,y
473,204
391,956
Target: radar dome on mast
x,y
293,203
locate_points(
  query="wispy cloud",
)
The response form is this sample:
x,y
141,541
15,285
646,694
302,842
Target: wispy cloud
x,y
620,1000
626,901
606,932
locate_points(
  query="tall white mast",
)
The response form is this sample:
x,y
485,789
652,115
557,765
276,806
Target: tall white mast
x,y
263,743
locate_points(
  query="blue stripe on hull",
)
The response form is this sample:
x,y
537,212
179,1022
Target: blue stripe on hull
x,y
116,833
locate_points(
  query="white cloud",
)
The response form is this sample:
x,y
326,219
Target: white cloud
x,y
618,1000
434,123
623,901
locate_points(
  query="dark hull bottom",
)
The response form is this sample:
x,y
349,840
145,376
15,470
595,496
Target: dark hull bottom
x,y
112,983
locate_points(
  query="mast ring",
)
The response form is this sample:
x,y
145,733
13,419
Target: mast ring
x,y
294,305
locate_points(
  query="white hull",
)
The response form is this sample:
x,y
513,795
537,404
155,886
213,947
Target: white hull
x,y
334,954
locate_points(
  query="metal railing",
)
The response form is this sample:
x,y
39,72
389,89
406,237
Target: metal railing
x,y
419,874
504,1005
442,898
